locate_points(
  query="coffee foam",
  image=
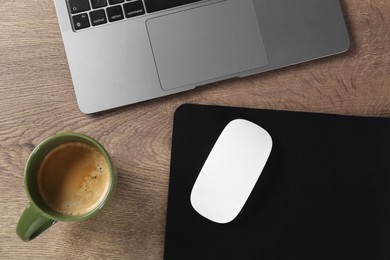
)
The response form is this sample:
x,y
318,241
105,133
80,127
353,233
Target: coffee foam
x,y
73,178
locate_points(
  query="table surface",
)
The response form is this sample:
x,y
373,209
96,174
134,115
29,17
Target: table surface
x,y
38,101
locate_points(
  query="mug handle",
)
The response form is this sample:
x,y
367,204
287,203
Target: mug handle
x,y
32,223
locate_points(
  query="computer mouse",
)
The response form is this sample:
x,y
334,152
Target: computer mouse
x,y
231,171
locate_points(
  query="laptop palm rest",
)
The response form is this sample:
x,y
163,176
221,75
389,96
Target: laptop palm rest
x,y
206,43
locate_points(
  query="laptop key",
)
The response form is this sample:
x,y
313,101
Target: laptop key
x,y
98,3
134,9
80,21
115,13
77,6
98,17
112,2
157,5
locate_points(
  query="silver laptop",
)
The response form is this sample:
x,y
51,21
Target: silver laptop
x,y
123,52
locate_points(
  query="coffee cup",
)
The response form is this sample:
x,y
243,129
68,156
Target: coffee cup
x,y
68,177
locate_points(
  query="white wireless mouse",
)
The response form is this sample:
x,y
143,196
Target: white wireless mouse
x,y
231,171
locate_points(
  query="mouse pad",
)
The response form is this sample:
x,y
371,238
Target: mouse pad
x,y
323,194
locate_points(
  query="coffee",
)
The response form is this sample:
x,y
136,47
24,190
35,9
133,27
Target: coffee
x,y
73,178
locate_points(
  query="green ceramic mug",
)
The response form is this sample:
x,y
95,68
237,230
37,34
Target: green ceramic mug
x,y
68,177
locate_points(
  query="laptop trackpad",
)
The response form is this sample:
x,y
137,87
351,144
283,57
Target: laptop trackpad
x,y
206,43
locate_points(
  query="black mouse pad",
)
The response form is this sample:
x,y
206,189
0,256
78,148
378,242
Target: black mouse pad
x,y
323,194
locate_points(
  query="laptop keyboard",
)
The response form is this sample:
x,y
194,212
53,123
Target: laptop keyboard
x,y
91,13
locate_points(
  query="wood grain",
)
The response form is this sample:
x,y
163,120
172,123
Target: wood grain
x,y
38,101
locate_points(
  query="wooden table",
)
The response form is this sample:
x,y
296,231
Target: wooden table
x,y
38,101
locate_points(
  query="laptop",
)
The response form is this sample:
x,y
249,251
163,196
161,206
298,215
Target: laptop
x,y
123,52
